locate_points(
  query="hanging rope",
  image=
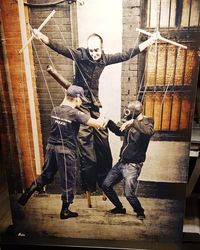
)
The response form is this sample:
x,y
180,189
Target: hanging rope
x,y
51,99
144,93
142,82
173,73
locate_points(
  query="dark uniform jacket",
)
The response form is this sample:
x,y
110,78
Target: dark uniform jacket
x,y
88,70
65,122
136,139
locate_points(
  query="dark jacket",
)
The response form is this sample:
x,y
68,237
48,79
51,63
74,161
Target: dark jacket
x,y
88,71
65,122
136,139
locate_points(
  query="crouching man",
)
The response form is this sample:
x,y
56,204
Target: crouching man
x,y
137,131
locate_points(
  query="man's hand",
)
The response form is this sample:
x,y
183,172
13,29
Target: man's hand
x,y
36,33
150,41
39,36
154,37
126,125
103,121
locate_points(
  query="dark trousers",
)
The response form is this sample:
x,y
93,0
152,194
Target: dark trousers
x,y
62,159
129,172
95,154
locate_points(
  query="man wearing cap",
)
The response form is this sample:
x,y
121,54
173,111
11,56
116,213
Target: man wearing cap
x,y
137,131
61,148
95,155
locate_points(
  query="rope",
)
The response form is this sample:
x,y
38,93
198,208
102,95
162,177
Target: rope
x,y
66,178
60,132
74,59
156,46
171,78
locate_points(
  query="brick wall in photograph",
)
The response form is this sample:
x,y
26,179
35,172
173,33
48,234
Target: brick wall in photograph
x,y
131,21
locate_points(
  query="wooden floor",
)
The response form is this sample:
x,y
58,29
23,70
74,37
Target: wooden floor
x,y
40,216
38,223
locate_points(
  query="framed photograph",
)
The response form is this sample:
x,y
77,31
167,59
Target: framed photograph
x,y
98,101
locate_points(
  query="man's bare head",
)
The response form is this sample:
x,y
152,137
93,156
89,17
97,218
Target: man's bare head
x,y
95,46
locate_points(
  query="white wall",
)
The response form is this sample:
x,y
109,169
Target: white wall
x,y
105,18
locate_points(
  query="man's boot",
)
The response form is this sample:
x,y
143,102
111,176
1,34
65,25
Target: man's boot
x,y
28,192
65,213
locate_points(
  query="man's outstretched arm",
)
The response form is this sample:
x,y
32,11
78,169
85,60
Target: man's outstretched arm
x,y
125,56
58,47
